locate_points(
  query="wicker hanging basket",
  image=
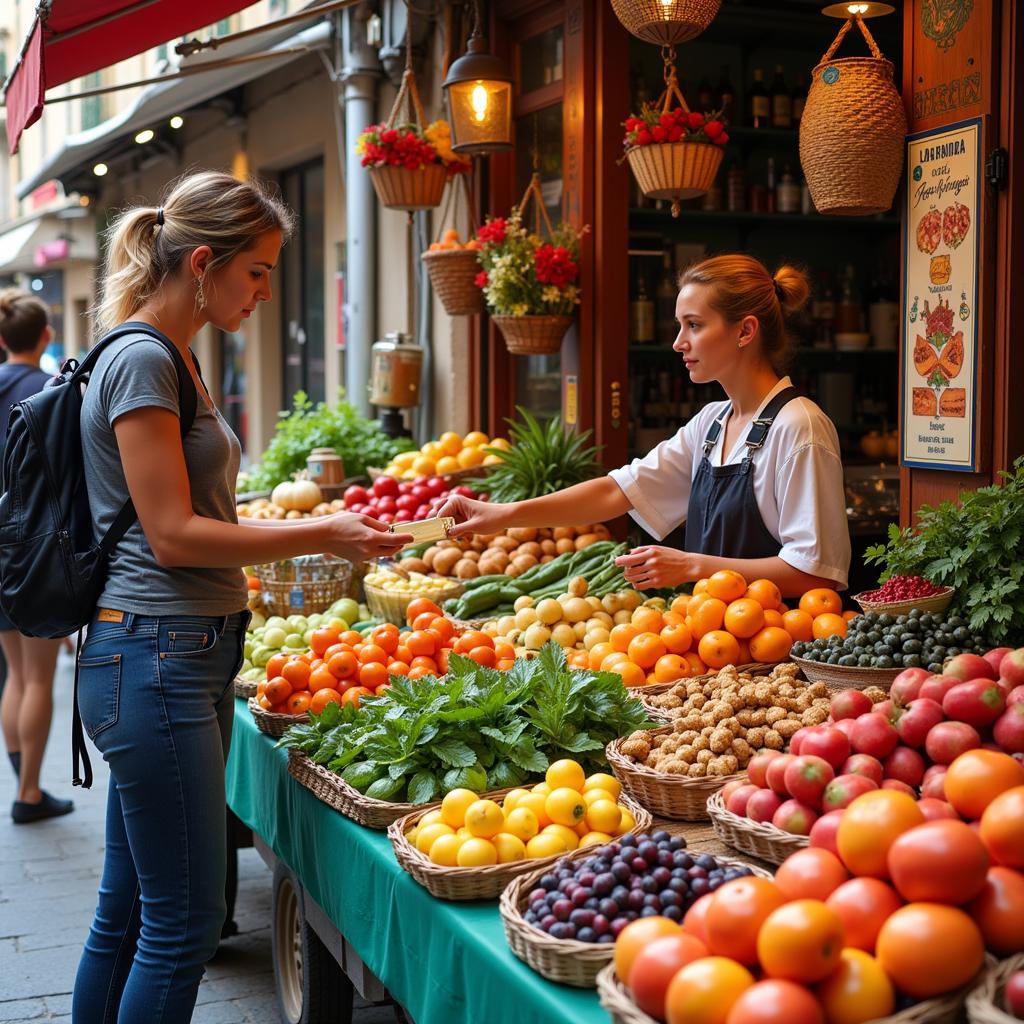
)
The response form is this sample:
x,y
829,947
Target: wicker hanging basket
x,y
533,335
666,22
453,272
852,132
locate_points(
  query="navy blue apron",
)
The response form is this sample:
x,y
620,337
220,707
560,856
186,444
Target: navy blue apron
x,y
723,518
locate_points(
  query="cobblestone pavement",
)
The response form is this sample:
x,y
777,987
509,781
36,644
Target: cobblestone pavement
x,y
48,882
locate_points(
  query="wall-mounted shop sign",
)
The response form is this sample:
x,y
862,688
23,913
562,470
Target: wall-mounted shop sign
x,y
941,247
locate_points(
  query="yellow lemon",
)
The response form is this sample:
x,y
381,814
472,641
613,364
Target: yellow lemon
x,y
628,822
432,450
512,799
404,460
485,818
424,466
446,464
604,816
545,845
591,796
450,442
594,839
470,457
568,835
476,853
493,460
432,817
474,439
464,833
425,836
453,806
608,783
535,802
500,443
445,850
522,823
565,806
565,773
411,835
509,847
541,787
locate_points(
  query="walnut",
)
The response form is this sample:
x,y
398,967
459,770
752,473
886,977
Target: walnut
x,y
742,750
818,689
814,716
786,728
689,736
773,715
675,767
720,741
730,723
804,701
763,694
704,756
697,771
678,727
755,736
693,687
701,743
688,755
745,717
773,741
637,747
721,766
876,694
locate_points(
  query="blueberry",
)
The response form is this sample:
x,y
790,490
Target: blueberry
x,y
549,882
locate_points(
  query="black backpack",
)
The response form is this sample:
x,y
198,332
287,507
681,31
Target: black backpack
x,y
52,570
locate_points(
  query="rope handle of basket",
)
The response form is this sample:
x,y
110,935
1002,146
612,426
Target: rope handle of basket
x,y
857,20
540,213
672,90
458,187
408,93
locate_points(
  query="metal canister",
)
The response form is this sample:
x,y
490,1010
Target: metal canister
x,y
325,467
395,376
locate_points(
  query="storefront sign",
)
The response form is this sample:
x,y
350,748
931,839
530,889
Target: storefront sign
x,y
941,246
571,414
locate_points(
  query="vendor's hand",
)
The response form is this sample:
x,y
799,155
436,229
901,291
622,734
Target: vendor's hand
x,y
656,568
360,538
472,516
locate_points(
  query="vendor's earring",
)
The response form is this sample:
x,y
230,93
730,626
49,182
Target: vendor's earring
x,y
200,295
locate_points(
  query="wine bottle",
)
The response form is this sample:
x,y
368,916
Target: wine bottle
x,y
641,314
799,99
665,303
787,193
759,106
725,96
782,102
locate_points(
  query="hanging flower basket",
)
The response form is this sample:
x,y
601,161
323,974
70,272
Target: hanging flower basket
x,y
534,335
666,22
399,188
852,132
451,265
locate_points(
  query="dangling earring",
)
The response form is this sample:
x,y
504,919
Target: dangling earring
x,y
200,295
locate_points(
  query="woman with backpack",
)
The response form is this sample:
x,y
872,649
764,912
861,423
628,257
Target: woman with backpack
x,y
156,671
26,708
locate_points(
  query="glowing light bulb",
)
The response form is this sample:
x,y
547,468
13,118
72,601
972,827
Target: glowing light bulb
x,y
100,169
479,100
146,135
857,8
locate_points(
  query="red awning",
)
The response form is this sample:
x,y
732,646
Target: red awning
x,y
77,37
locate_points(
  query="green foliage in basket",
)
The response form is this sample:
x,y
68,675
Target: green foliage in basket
x,y
476,728
974,545
360,442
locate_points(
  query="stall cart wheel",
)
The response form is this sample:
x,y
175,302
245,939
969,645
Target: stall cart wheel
x,y
310,985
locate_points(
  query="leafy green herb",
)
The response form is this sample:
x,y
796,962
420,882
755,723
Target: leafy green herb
x,y
937,380
974,546
477,728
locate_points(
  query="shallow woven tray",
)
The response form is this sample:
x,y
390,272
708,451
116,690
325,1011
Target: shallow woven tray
x,y
245,688
758,838
669,796
656,689
271,722
386,604
986,1002
615,998
841,677
936,603
563,960
483,883
334,791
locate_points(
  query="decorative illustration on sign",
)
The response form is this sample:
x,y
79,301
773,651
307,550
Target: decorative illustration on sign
x,y
939,358
942,20
965,310
913,311
939,269
929,231
956,220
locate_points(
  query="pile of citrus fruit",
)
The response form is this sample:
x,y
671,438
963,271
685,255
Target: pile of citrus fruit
x,y
450,453
566,811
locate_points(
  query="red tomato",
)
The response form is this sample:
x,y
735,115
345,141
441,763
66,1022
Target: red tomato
x,y
864,905
737,912
999,911
940,861
657,964
776,1001
813,873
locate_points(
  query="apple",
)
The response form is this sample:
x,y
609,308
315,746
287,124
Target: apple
x,y
775,775
795,817
874,734
845,726
758,765
386,518
385,487
906,765
1008,731
827,743
995,657
907,685
1015,994
933,784
387,503
796,741
355,495
823,831
934,808
936,687
917,720
806,777
763,804
948,740
899,787
730,787
854,703
403,515
968,666
978,702
864,764
1011,668
466,492
737,801
844,789
1015,696
886,708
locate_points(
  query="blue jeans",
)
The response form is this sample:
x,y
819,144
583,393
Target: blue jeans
x,y
156,698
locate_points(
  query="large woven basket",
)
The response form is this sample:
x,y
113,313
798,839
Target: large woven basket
x,y
287,589
533,335
986,1003
334,791
936,603
391,605
483,883
245,688
666,22
842,677
675,170
657,689
677,797
401,189
453,276
758,838
272,722
615,998
852,132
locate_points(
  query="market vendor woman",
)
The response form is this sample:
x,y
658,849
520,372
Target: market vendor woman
x,y
757,479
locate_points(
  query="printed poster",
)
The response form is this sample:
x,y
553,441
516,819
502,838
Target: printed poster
x,y
940,295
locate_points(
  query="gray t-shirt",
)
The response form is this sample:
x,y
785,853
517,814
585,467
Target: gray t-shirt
x,y
134,372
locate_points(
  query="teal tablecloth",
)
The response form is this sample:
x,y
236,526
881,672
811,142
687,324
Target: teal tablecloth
x,y
445,962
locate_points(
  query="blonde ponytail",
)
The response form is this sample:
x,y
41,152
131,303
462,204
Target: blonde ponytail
x,y
133,270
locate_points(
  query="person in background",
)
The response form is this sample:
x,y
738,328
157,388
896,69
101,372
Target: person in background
x,y
27,704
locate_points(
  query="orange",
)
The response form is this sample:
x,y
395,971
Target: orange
x,y
278,690
322,639
703,992
343,664
264,703
637,936
419,605
443,626
321,677
977,777
398,668
297,672
402,653
472,638
700,586
424,662
615,658
857,991
801,941
718,649
765,593
599,652
644,650
1002,827
709,616
773,618
420,644
576,659
870,825
816,602
298,703
679,604
632,675
736,913
385,637
503,649
322,698
372,653
726,585
647,620
770,645
354,694
744,617
485,656
350,637
828,624
669,668
276,663
850,615
678,638
372,675
418,672
697,667
812,873
799,625
621,636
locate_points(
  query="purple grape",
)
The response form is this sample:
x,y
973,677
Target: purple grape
x,y
586,878
697,872
621,871
639,865
706,861
650,912
608,907
636,899
618,924
650,885
604,884
620,894
673,913
700,886
681,859
627,840
661,837
715,883
670,898
679,885
562,930
549,882
661,876
606,939
537,894
586,935
677,843
582,918
649,852
652,900
592,903
547,921
666,857
580,897
562,909
601,924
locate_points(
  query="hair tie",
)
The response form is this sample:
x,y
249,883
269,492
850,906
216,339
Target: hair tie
x,y
160,216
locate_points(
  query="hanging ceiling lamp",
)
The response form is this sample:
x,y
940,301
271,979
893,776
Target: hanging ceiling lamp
x,y
666,22
851,7
479,91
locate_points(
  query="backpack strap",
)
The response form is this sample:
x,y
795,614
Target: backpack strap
x,y
18,378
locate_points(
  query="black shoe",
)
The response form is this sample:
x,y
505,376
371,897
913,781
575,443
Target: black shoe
x,y
23,813
229,929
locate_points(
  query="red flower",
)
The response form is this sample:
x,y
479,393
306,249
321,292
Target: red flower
x,y
481,279
554,265
694,120
721,140
667,120
658,133
493,231
713,129
675,134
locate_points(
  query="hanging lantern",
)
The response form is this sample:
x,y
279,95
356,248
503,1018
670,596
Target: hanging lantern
x,y
666,22
479,91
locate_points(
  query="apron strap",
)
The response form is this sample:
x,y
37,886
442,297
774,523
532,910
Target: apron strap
x,y
713,432
758,433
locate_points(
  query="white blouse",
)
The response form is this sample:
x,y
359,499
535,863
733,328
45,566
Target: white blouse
x,y
798,483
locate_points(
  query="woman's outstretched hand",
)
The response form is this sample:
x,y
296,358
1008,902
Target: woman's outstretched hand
x,y
655,568
360,538
472,516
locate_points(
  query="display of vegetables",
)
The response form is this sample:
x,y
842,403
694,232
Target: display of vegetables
x,y
450,453
267,508
393,501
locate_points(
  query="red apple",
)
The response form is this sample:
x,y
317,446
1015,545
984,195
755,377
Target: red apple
x,y
763,804
797,739
795,817
1015,994
933,784
1011,668
737,802
899,787
917,720
758,765
775,775
823,831
948,740
385,486
1008,731
995,657
844,789
1015,696
806,777
355,495
385,517
906,686
403,515
874,734
933,809
407,503
968,666
730,787
828,743
886,708
978,702
845,726
866,765
853,703
387,503
936,687
906,765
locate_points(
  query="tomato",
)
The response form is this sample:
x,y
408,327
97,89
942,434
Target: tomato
x,y
418,606
870,825
940,861
800,941
999,911
1002,828
636,936
929,948
705,991
813,873
695,921
858,990
276,663
864,905
977,777
737,911
656,965
776,1002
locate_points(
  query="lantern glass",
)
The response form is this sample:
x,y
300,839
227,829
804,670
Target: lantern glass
x,y
481,115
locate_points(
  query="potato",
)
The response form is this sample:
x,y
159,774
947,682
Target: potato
x,y
522,534
414,565
465,569
496,556
523,562
486,567
563,635
564,546
543,534
512,571
578,586
428,556
523,602
445,561
529,548
505,543
544,559
473,556
526,617
611,603
548,547
563,533
477,544
293,514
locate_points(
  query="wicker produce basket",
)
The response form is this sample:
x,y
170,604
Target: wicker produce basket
x,y
657,689
852,131
669,796
459,474
532,335
245,688
675,170
666,22
483,883
758,838
842,677
936,603
304,585
398,188
986,1002
271,722
334,791
453,276
391,605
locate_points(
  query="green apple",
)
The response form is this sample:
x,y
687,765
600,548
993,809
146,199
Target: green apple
x,y
276,622
315,620
274,637
308,636
294,642
247,649
298,623
346,609
261,656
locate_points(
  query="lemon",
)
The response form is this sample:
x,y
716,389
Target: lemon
x,y
464,833
522,823
445,850
476,853
470,457
453,806
512,799
628,822
545,845
566,834
500,443
450,442
582,828
425,836
475,438
541,787
535,802
432,817
509,848
604,816
566,773
591,796
485,818
446,464
411,835
594,839
565,806
608,783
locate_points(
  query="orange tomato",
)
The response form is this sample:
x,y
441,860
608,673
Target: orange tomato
x,y
316,663
801,941
718,649
776,1001
726,585
472,638
799,625
575,659
977,777
418,672
398,668
864,905
1002,828
322,698
695,919
276,663
632,674
765,593
298,703
419,605
297,672
928,949
322,638
999,911
261,689
343,665
705,991
441,657
814,873
819,601
354,694
828,624
770,645
646,648
677,638
700,586
670,667
657,964
709,616
420,644
372,675
333,650
697,667
264,703
321,677
503,650
402,653
773,618
622,635
647,620
599,652
858,990
385,637
941,861
350,638
680,604
744,617
484,656
870,825
443,626
506,663
424,621
637,935
736,914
